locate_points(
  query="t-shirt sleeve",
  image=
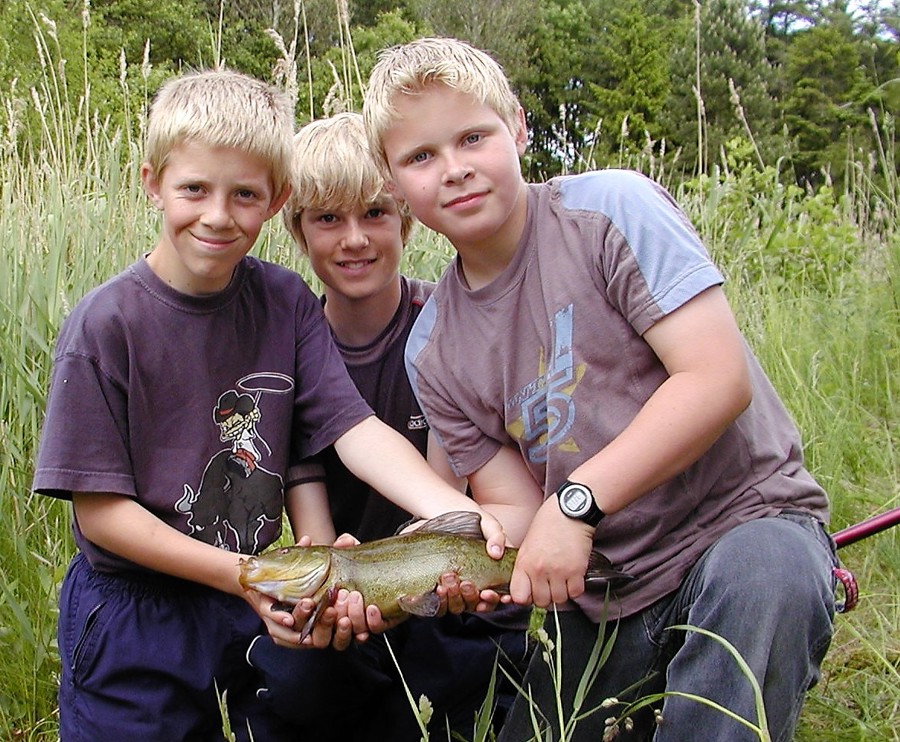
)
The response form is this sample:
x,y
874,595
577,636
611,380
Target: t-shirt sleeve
x,y
86,406
652,259
327,403
467,447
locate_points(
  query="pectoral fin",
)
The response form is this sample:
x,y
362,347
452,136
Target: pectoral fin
x,y
425,606
325,600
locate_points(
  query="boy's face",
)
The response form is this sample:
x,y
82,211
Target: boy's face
x,y
214,201
457,165
355,252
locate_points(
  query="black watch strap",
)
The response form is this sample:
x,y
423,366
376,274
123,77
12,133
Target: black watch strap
x,y
577,502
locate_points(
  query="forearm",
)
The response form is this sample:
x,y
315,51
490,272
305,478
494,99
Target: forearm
x,y
122,526
505,488
309,513
707,388
675,427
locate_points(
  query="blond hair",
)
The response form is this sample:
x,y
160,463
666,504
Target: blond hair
x,y
410,68
222,108
332,168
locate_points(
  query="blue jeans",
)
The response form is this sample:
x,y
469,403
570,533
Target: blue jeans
x,y
766,586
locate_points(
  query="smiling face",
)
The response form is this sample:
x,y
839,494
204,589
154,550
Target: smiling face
x,y
456,164
214,201
355,251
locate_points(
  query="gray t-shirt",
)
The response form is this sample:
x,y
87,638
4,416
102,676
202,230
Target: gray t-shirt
x,y
196,407
550,358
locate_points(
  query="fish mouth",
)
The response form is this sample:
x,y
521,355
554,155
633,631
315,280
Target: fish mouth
x,y
286,583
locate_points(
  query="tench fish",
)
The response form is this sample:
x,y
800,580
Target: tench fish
x,y
398,574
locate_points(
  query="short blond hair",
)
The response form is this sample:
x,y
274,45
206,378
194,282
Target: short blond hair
x,y
222,108
410,68
332,168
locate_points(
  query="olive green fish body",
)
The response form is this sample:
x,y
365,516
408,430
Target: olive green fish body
x,y
397,574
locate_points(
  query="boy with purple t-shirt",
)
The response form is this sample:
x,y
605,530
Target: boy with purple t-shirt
x,y
584,324
183,391
353,233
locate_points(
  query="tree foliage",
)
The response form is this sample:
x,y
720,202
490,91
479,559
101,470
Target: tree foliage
x,y
793,81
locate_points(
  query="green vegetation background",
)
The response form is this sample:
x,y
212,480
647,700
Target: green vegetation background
x,y
789,174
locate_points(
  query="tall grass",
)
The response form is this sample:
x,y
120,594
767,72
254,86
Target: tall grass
x,y
814,279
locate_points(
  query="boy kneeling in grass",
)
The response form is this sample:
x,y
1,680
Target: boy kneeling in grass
x,y
584,324
183,391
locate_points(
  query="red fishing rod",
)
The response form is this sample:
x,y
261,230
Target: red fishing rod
x,y
850,535
866,528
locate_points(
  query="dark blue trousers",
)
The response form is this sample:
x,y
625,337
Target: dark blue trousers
x,y
358,696
145,657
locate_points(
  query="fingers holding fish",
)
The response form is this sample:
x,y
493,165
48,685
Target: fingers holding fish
x,y
494,535
345,540
378,623
552,559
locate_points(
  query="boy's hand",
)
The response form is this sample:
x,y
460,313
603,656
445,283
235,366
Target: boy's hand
x,y
461,596
552,559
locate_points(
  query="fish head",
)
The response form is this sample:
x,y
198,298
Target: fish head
x,y
288,574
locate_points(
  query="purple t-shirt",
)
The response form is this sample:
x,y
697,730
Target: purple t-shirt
x,y
379,373
550,358
196,407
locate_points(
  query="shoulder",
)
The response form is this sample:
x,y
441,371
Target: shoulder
x,y
278,285
419,291
613,192
99,314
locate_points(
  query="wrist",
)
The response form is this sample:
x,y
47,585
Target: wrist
x,y
576,501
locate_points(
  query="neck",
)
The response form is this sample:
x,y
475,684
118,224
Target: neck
x,y
485,259
357,322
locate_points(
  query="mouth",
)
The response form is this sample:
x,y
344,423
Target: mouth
x,y
355,265
214,243
463,201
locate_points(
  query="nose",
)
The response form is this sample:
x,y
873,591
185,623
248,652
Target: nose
x,y
457,171
355,236
217,215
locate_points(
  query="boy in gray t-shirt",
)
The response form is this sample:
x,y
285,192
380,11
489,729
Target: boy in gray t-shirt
x,y
583,326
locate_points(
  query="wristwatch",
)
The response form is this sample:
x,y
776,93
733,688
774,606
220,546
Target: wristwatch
x,y
577,502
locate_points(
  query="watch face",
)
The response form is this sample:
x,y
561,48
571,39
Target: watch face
x,y
575,500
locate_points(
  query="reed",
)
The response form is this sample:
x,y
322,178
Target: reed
x,y
814,278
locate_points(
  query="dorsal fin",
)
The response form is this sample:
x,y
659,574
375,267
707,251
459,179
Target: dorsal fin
x,y
458,522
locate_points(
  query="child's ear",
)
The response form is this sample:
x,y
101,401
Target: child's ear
x,y
151,185
521,134
391,187
280,200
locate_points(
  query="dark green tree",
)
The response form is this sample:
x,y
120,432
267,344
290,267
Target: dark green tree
x,y
720,81
825,109
628,80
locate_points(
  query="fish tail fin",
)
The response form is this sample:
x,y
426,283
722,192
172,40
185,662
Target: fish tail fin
x,y
600,572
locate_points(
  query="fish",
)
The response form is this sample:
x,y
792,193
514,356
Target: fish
x,y
398,574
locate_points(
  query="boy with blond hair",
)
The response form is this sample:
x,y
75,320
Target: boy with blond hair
x,y
583,323
353,232
183,391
